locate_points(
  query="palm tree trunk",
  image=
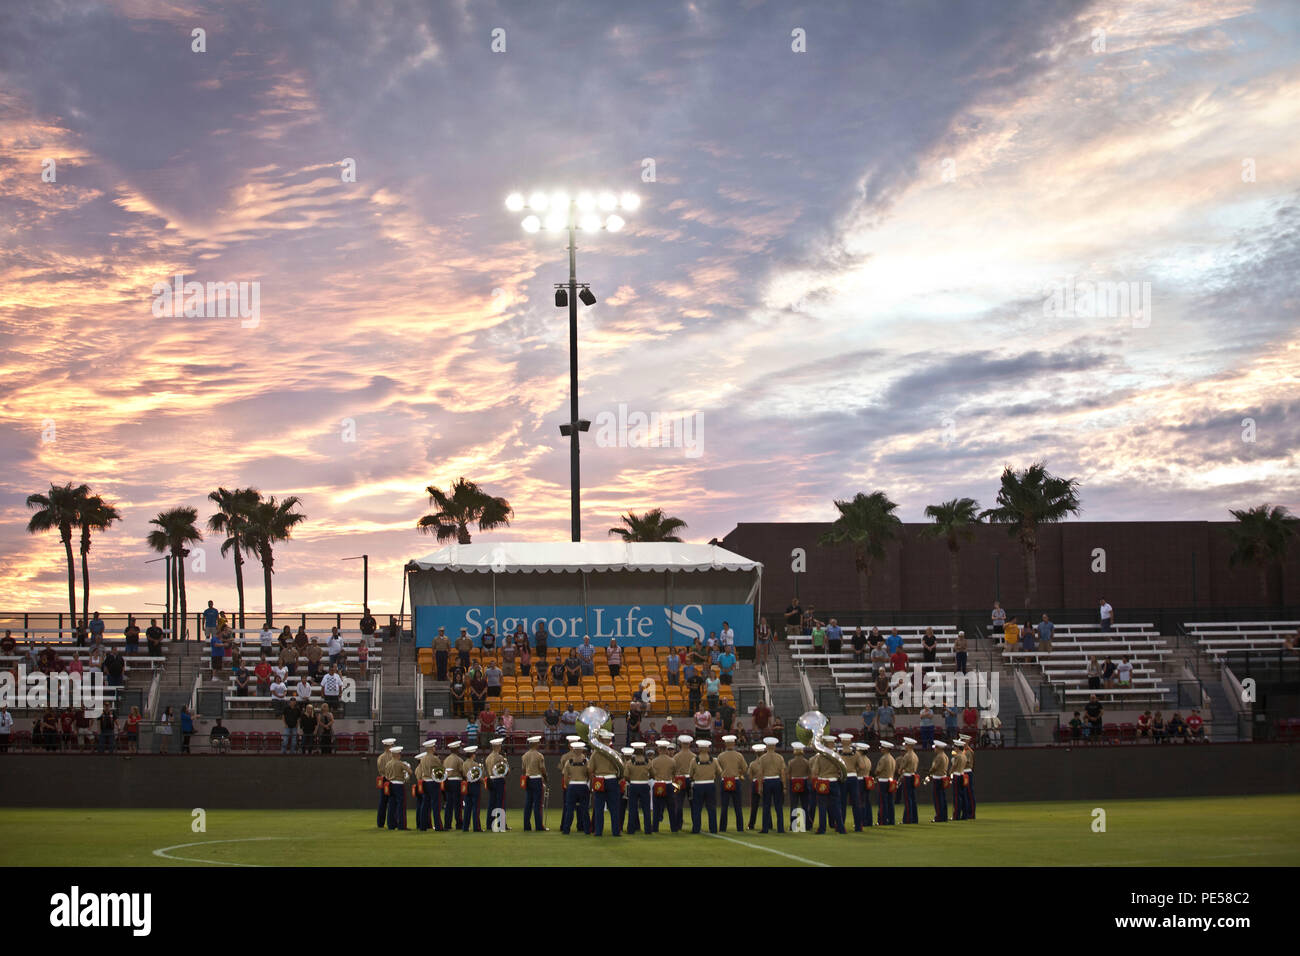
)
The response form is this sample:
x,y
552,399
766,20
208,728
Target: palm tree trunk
x,y
1263,584
267,559
864,581
175,635
239,580
85,574
1031,577
180,583
956,578
72,578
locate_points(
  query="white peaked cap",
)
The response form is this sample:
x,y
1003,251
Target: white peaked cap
x,y
627,751
704,743
497,741
861,746
757,748
846,736
638,745
388,741
797,745
940,744
771,741
471,748
397,750
534,740
909,742
663,743
430,743
578,745
572,737
684,738
729,738
453,744
886,745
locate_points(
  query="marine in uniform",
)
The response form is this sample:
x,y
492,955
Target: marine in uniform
x,y
576,789
627,753
451,792
473,790
770,774
663,791
969,773
825,774
852,790
908,779
497,768
428,808
639,776
885,785
756,781
735,771
604,790
397,773
938,779
866,783
382,766
704,775
534,765
957,774
567,756
682,764
797,773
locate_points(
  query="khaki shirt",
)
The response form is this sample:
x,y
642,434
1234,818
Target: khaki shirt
x,y
798,766
442,643
733,763
497,764
823,766
382,762
939,765
535,764
464,644
313,652
885,765
467,764
454,764
851,761
908,763
398,772
638,770
428,763
683,762
864,762
969,755
289,655
705,771
577,770
602,765
958,763
771,764
662,767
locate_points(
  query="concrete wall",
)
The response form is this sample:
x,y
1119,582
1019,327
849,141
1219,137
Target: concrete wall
x,y
269,783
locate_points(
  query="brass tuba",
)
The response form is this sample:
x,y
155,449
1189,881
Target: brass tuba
x,y
590,722
810,729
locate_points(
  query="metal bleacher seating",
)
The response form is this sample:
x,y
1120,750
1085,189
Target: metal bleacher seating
x,y
1221,639
1065,667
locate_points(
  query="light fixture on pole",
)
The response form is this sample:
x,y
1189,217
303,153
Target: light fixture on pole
x,y
365,577
590,212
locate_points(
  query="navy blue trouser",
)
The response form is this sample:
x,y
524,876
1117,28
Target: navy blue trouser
x,y
856,790
396,806
533,800
575,805
496,795
451,803
940,796
970,794
773,793
422,804
731,798
828,807
383,809
638,802
909,798
473,791
600,801
885,799
704,794
666,804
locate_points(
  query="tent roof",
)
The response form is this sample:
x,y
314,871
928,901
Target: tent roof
x,y
523,556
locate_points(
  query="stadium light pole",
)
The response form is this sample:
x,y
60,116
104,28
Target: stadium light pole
x,y
590,213
365,577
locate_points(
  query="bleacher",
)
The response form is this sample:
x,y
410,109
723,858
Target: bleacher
x,y
525,697
1065,667
250,647
1219,639
855,679
138,668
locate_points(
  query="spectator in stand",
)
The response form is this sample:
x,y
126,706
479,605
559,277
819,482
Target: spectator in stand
x,y
713,690
635,711
96,659
67,728
763,642
885,721
1158,727
291,716
727,717
74,667
929,646
114,668
587,657
859,642
505,722
727,638
551,723
1196,725
1045,630
233,651
793,616
1094,713
210,617
166,727
331,688
367,625
834,638
761,718
998,619
882,683
1029,637
894,641
307,727
218,651
8,646
809,619
303,691
285,638
898,660
879,656
132,635
6,728
559,671
959,651
541,641
1124,672
488,639
289,658
819,639
569,719
325,729
1011,633
520,639
313,655
493,677
703,724
96,629
219,738
464,645
262,674
107,731
279,694
478,690
1094,674
673,667
1107,615
1177,727
1144,724
525,658
715,650
870,722
926,725
81,636
573,668
267,638
1108,670
970,719
949,722
301,639
777,729
694,690
507,653
614,657
1076,727
726,666
241,682
441,651
991,728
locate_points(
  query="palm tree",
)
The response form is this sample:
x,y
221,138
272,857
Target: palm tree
x,y
954,520
1026,500
467,504
95,514
61,509
867,522
654,525
1261,537
231,519
176,530
270,522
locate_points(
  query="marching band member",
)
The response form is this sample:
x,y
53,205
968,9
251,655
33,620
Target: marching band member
x,y
704,786
534,785
939,782
576,789
797,772
851,790
397,773
451,794
756,783
908,779
638,790
604,790
623,784
472,789
825,774
663,791
885,785
382,766
968,785
734,769
866,783
771,777
682,764
497,767
428,810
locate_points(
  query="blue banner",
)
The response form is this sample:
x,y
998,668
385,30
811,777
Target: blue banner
x,y
632,625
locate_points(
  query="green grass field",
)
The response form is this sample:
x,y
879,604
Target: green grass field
x,y
1251,831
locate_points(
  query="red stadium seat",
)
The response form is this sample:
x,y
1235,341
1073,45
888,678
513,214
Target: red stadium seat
x,y
1110,732
1128,732
238,741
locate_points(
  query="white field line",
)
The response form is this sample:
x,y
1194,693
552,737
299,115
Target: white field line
x,y
192,859
767,849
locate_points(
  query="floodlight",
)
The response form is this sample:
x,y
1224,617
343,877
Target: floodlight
x,y
556,220
614,223
630,201
537,202
586,202
608,202
561,299
560,200
515,202
585,297
532,224
589,222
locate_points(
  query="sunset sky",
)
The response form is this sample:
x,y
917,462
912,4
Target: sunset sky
x,y
839,267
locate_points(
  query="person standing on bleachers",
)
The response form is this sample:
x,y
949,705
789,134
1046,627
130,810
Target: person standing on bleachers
x,y
267,639
929,646
289,658
331,687
313,655
998,619
325,729
132,635
1107,615
441,651
959,652
210,617
291,715
1045,630
464,645
793,617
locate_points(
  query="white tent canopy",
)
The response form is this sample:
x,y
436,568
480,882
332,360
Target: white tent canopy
x,y
506,557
